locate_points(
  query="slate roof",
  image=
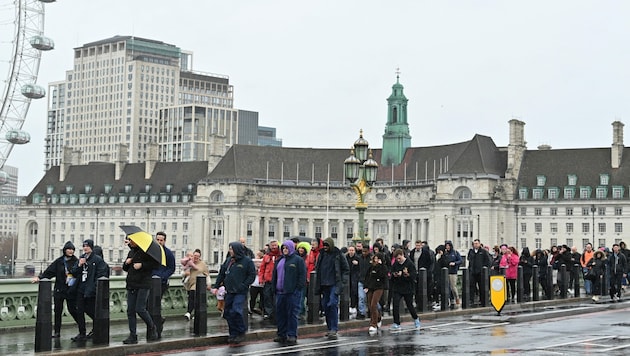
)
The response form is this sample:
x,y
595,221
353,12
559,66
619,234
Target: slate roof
x,y
180,174
243,162
587,164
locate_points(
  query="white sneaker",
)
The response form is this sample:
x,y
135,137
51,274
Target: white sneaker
x,y
187,316
379,324
353,310
372,329
595,298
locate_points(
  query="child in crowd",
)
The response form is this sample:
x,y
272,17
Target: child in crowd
x,y
188,264
221,299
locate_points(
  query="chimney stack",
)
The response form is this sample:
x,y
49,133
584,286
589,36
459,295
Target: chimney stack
x,y
616,152
149,164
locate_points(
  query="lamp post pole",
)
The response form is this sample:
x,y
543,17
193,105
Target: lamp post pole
x,y
593,212
96,236
360,170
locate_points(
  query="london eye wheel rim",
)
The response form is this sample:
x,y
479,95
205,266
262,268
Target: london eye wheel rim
x,y
22,74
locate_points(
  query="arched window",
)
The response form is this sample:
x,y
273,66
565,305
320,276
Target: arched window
x,y
216,196
463,193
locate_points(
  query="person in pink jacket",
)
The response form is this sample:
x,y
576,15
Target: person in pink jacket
x,y
509,261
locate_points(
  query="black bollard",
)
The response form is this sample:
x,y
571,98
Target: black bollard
x,y
154,305
564,281
466,292
43,323
484,287
535,283
344,302
445,290
312,300
422,285
200,325
101,312
519,285
577,269
549,281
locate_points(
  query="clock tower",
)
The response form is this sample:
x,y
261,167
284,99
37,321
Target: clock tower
x,y
396,139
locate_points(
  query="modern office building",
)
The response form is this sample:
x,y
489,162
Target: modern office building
x,y
133,91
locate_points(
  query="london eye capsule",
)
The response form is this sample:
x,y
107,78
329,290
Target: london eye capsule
x,y
18,137
42,43
4,177
33,91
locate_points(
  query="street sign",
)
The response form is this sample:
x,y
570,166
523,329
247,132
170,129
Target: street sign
x,y
498,292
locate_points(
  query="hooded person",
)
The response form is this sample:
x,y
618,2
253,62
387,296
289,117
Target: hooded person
x,y
597,265
236,275
332,274
288,281
302,249
454,261
65,284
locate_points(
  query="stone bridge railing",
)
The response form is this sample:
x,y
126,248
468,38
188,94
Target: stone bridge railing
x,y
18,300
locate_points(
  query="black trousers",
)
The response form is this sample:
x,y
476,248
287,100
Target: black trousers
x,y
85,305
72,309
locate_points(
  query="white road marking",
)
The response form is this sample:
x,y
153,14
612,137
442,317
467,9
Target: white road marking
x,y
304,347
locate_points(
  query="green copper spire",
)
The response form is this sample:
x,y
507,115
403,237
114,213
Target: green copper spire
x,y
396,139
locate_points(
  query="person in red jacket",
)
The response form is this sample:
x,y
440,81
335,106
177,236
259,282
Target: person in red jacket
x,y
316,246
265,274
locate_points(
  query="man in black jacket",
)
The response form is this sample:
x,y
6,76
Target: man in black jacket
x,y
139,267
403,285
88,269
236,275
332,274
421,258
65,284
618,267
478,258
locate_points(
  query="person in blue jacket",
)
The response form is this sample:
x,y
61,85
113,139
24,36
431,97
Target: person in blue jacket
x,y
236,275
289,278
454,261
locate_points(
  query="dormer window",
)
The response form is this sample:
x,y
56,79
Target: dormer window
x,y
540,181
108,188
169,188
617,192
569,193
191,186
538,193
50,189
585,192
88,188
552,193
522,194
601,192
572,179
603,179
69,189
128,188
147,188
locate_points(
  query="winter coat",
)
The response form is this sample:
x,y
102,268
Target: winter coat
x,y
510,262
88,274
59,270
597,263
375,277
526,261
617,265
201,269
454,257
265,272
237,272
405,283
165,272
478,260
341,267
294,273
139,278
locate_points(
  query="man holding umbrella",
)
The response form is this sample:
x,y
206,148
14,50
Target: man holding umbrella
x,y
141,260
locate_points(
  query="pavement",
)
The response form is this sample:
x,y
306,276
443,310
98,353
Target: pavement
x,y
178,332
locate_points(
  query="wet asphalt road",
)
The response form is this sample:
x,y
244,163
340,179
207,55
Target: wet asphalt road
x,y
602,332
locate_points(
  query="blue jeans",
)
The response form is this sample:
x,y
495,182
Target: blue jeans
x,y
330,301
233,313
588,285
137,303
362,307
287,310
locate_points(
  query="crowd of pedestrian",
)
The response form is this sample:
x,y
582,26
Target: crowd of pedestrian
x,y
278,279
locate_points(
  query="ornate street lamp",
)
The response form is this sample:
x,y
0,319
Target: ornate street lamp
x,y
593,210
360,170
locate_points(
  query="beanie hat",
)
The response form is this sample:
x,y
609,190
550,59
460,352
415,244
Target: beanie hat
x,y
89,242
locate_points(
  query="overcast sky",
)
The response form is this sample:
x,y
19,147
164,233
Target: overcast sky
x,y
319,71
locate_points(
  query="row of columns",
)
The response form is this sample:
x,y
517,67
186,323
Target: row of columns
x,y
419,229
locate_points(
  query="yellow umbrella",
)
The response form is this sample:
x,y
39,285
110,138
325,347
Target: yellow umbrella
x,y
145,241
